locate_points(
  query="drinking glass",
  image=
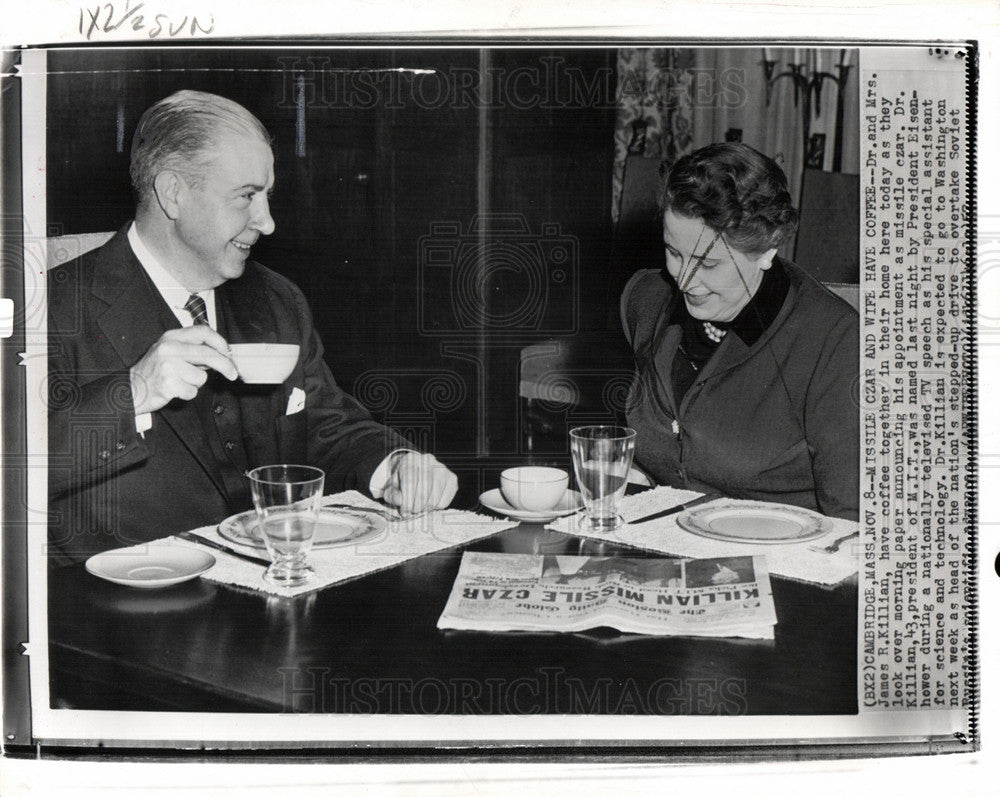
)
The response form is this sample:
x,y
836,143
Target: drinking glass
x,y
287,500
602,456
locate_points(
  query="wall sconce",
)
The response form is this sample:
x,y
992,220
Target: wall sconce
x,y
810,87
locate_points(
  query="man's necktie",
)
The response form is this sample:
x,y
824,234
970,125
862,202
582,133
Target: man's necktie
x,y
195,305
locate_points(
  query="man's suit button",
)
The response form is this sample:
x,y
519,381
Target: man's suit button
x,y
218,409
229,445
120,446
105,455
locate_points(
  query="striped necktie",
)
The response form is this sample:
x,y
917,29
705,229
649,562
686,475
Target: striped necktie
x,y
195,305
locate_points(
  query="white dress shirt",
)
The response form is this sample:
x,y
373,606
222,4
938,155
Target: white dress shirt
x,y
173,293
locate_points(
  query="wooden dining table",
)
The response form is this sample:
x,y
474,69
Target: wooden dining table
x,y
372,646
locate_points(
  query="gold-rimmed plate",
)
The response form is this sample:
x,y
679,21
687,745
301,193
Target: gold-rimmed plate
x,y
334,527
755,522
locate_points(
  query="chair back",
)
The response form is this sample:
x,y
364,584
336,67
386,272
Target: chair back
x,y
64,248
569,382
827,242
848,292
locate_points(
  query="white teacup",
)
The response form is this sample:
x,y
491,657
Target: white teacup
x,y
264,363
533,488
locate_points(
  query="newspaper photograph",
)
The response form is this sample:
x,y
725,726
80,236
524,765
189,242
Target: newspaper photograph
x,y
520,592
304,336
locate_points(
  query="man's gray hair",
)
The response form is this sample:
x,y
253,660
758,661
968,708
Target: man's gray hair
x,y
178,132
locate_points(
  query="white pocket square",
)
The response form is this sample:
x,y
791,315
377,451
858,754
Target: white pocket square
x,y
296,401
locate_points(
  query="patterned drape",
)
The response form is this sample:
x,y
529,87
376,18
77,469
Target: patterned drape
x,y
672,101
654,116
775,124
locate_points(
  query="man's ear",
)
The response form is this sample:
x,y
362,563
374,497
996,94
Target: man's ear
x,y
764,261
167,187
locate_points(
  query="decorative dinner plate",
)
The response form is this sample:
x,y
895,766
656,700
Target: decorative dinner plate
x,y
493,499
151,567
755,522
333,527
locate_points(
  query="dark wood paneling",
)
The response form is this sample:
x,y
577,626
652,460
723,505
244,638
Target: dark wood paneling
x,y
551,160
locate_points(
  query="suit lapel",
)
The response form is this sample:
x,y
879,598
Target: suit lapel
x,y
134,314
134,318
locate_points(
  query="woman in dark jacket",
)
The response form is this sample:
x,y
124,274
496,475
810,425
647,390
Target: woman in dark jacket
x,y
747,367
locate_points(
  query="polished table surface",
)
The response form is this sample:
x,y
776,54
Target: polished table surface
x,y
372,646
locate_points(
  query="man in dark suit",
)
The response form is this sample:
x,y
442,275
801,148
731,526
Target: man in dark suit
x,y
150,428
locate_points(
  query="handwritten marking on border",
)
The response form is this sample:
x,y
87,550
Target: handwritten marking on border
x,y
107,18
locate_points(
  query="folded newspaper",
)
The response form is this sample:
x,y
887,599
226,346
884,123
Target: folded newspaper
x,y
725,597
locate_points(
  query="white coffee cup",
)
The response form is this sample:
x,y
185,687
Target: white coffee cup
x,y
534,488
264,363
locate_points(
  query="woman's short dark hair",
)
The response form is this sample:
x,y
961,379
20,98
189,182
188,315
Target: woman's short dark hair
x,y
735,190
